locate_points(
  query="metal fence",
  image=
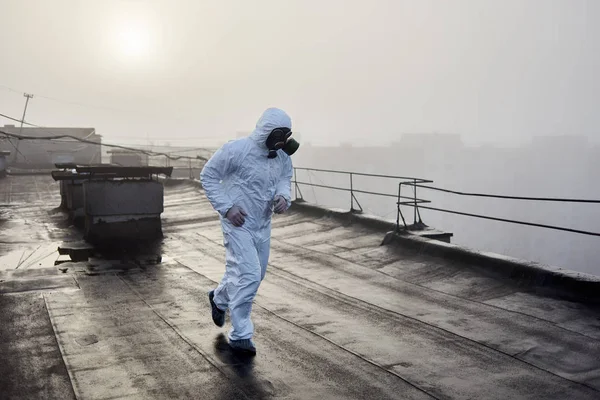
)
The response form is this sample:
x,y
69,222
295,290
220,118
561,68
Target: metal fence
x,y
511,198
182,168
412,200
352,190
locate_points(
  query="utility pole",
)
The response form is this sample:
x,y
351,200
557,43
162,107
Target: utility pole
x,y
28,96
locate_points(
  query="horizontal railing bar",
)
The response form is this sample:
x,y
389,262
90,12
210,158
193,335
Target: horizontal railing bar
x,y
395,196
419,180
559,228
322,186
412,201
565,200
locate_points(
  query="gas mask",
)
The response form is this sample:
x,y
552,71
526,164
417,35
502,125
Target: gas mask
x,y
279,139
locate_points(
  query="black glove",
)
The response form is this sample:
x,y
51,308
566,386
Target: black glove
x,y
280,205
236,216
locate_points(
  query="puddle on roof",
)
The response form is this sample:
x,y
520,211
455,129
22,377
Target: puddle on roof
x,y
28,257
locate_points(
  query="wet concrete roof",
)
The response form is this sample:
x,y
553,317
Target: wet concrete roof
x,y
337,317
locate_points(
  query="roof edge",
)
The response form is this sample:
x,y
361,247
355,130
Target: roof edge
x,y
545,279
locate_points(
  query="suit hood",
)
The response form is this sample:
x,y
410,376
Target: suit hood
x,y
272,118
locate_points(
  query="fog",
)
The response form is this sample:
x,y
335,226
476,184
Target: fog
x,y
504,76
532,170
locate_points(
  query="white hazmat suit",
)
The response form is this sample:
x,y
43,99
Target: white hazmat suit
x,y
240,174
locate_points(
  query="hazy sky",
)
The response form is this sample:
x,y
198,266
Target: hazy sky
x,y
197,72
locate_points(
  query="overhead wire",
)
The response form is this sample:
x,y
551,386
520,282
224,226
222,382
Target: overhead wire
x,y
75,103
140,113
85,140
146,152
8,88
18,151
18,120
56,137
11,143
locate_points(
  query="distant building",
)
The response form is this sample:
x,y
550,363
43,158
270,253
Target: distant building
x,y
44,153
561,142
430,141
157,157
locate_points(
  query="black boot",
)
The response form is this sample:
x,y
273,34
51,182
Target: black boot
x,y
218,316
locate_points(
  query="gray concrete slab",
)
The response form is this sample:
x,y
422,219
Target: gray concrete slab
x,y
116,346
539,342
32,366
338,316
441,363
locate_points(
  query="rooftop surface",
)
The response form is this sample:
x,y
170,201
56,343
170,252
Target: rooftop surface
x,y
337,317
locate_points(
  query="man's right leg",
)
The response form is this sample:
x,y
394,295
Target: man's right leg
x,y
240,283
218,314
221,297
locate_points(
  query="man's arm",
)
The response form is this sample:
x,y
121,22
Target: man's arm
x,y
215,170
284,185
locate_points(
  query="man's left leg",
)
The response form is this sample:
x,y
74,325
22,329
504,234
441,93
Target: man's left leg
x,y
264,250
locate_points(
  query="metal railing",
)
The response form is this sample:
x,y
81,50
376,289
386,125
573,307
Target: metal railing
x,y
419,203
504,197
182,168
352,190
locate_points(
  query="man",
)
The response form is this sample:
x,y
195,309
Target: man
x,y
247,180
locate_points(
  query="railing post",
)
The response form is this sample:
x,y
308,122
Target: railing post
x,y
399,215
295,184
398,208
415,191
351,195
